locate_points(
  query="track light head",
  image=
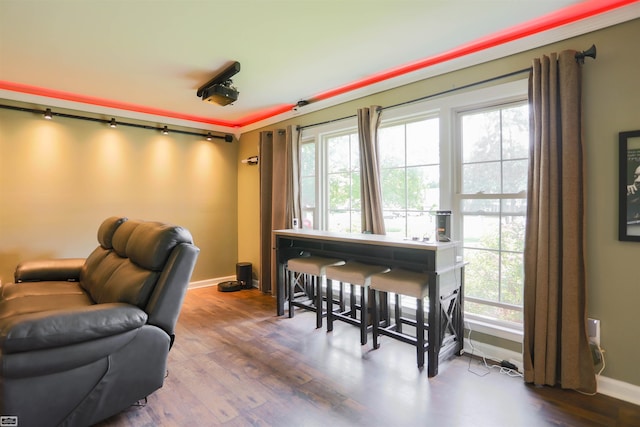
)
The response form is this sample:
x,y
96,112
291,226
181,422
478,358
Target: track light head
x,y
113,124
253,160
47,114
165,131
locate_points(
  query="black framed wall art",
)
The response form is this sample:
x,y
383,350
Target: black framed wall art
x,y
629,186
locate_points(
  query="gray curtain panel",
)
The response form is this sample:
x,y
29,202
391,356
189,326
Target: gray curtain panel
x,y
556,347
370,185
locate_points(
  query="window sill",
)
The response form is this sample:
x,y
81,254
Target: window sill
x,y
500,331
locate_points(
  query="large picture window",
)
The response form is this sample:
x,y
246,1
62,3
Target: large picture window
x,y
441,154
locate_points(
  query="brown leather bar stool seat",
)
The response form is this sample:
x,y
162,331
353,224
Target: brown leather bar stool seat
x,y
401,282
356,274
306,275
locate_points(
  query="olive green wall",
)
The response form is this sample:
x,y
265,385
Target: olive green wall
x,y
60,178
611,101
249,204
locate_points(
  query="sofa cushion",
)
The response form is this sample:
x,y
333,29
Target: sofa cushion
x,y
105,238
130,272
151,243
65,327
34,297
18,290
122,235
128,283
50,270
107,229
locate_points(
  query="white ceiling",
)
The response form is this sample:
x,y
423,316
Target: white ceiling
x,y
154,54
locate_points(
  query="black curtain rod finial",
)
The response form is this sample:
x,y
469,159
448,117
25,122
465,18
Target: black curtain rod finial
x,y
591,53
300,104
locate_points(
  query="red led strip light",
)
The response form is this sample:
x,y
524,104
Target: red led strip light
x,y
552,20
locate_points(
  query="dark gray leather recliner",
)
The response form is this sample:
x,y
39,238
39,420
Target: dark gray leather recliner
x,y
82,339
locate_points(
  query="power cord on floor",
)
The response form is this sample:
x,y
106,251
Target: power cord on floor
x,y
600,355
504,367
511,370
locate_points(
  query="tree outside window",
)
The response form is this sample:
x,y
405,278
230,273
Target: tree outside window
x,y
493,209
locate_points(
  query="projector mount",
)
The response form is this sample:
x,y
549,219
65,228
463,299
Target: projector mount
x,y
219,89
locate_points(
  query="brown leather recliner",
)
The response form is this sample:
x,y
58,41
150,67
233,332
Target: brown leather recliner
x,y
82,339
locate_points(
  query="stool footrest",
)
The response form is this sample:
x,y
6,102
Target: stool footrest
x,y
412,322
348,319
408,339
308,305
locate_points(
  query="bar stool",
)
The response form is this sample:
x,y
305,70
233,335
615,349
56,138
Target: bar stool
x,y
401,282
356,274
309,295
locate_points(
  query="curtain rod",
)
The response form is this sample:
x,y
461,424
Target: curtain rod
x,y
424,98
208,136
591,53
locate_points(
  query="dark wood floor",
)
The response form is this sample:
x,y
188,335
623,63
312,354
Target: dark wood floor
x,y
235,363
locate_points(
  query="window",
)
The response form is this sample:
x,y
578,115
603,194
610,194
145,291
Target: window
x,y
493,166
467,152
410,175
308,183
330,179
343,183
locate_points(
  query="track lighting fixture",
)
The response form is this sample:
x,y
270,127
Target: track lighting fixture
x,y
47,114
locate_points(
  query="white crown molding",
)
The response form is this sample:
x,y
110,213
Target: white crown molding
x,y
564,32
554,35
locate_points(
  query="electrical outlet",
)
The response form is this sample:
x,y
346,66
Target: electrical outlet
x,y
593,331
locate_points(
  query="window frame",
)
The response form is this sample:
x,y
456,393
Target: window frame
x,y
446,108
318,135
405,120
498,96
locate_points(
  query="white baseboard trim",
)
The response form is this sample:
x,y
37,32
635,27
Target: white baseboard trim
x,y
619,390
607,386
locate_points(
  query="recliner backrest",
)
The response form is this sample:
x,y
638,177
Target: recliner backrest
x,y
129,272
105,239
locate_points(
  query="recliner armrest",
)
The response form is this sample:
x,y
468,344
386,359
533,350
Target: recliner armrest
x,y
37,331
60,269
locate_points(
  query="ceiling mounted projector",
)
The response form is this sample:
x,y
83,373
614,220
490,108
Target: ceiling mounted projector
x,y
220,94
219,90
